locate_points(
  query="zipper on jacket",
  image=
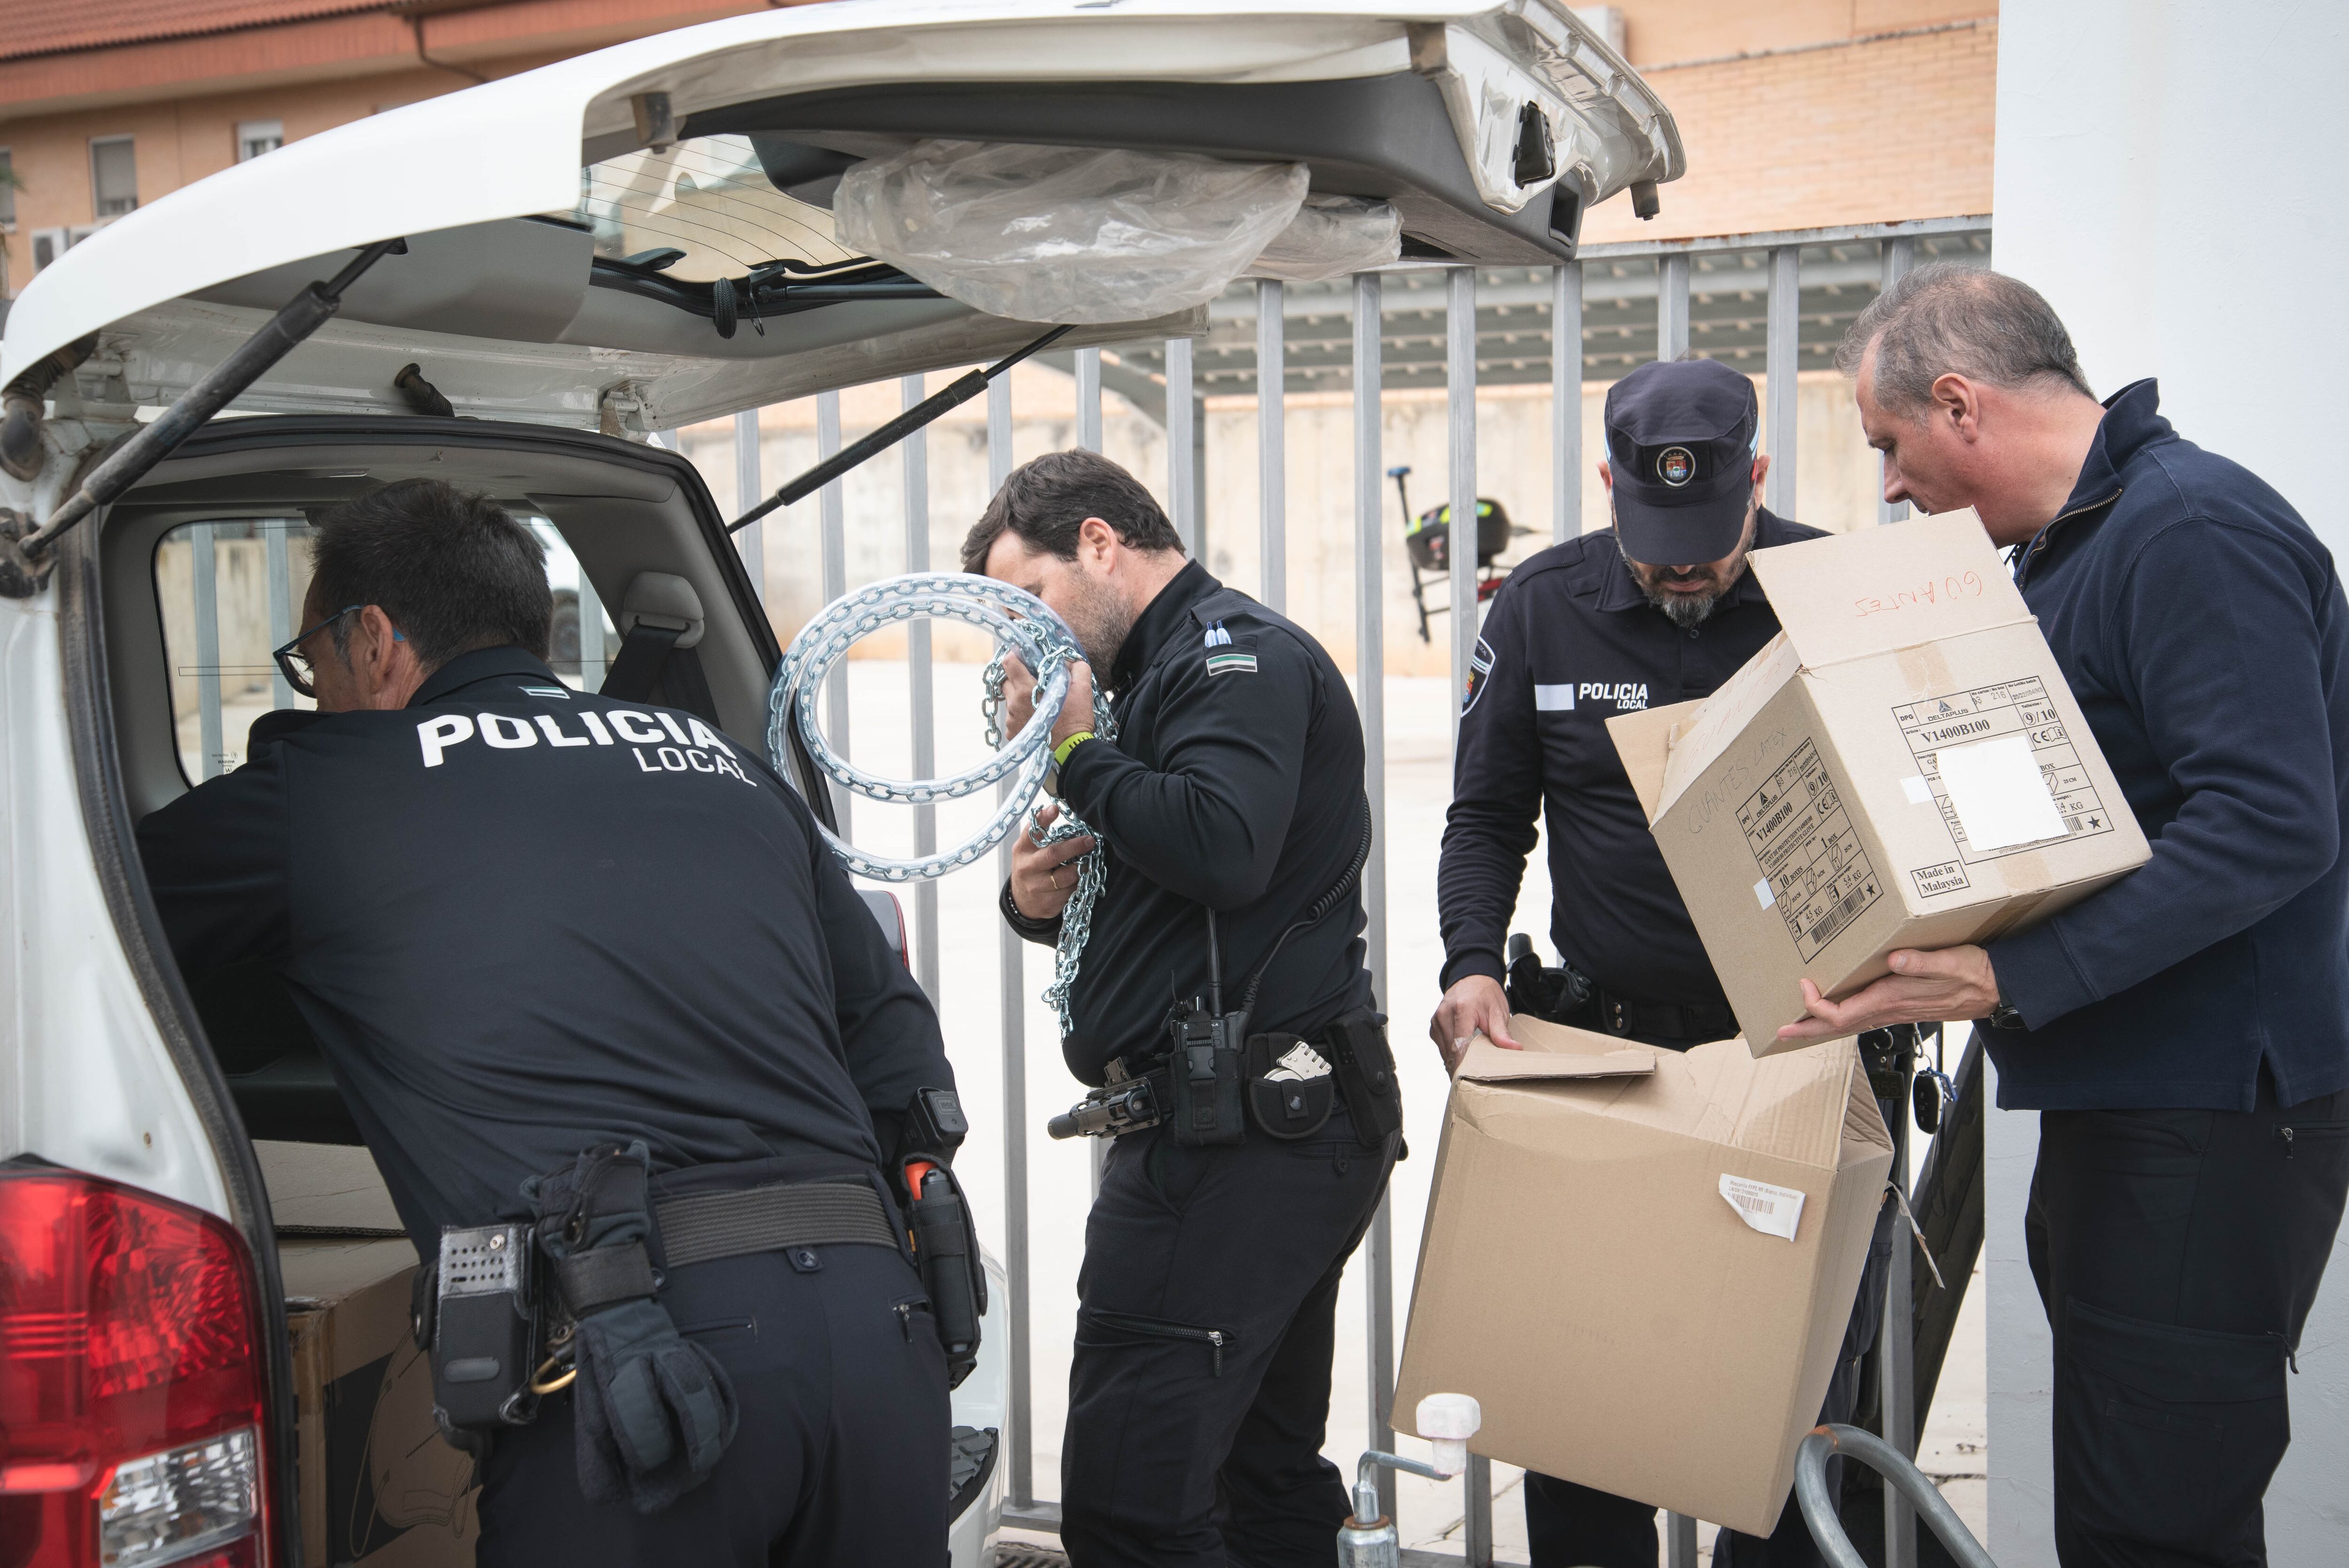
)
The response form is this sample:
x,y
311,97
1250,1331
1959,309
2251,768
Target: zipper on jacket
x,y
2022,557
1159,1328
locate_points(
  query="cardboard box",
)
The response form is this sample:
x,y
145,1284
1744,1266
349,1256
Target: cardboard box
x,y
378,1484
1641,1261
1902,767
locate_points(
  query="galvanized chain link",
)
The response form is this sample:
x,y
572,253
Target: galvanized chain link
x,y
1020,624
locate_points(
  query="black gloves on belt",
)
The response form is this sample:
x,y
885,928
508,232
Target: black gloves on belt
x,y
655,1411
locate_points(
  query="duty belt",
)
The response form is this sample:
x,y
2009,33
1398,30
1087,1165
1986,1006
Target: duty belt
x,y
1619,1015
707,1226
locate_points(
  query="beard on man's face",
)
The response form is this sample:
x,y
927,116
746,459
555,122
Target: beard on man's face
x,y
1100,622
1688,595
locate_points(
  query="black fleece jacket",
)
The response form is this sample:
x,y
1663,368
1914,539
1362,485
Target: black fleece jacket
x,y
2201,625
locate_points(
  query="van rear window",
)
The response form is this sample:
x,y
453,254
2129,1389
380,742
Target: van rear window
x,y
231,590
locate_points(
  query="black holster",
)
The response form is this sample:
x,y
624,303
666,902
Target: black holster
x,y
946,1250
1366,1072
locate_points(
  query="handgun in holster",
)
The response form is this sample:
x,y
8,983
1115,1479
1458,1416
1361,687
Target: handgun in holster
x,y
938,1220
1555,996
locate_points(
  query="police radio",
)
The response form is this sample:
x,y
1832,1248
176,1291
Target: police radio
x,y
1205,1066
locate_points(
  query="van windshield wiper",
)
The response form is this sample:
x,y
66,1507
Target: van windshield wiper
x,y
24,563
961,390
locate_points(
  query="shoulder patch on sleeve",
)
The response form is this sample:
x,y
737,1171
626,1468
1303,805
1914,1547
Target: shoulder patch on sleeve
x,y
1480,665
1225,661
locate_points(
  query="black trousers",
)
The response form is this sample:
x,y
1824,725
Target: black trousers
x,y
2178,1253
1183,1453
1568,1526
841,1457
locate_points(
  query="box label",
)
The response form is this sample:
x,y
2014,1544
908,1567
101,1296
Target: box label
x,y
1772,1209
1819,875
1965,718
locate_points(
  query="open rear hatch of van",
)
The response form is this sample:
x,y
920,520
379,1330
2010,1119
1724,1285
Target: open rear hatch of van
x,y
568,230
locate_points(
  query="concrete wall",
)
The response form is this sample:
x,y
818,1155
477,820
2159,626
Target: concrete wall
x,y
1837,489
2129,131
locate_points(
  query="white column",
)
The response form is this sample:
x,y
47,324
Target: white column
x,y
832,505
915,453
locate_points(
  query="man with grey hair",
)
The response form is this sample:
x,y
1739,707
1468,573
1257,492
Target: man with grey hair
x,y
2184,1033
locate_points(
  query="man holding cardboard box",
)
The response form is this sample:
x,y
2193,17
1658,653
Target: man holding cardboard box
x,y
1659,610
2184,1032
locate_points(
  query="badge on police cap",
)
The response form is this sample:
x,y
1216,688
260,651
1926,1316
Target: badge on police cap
x,y
1676,466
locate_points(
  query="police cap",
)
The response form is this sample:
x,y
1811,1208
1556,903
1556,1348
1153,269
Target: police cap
x,y
1680,439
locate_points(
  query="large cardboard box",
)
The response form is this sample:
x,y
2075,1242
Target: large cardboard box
x,y
1902,767
1641,1261
377,1485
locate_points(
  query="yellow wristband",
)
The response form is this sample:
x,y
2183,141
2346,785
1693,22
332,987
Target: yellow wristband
x,y
1060,752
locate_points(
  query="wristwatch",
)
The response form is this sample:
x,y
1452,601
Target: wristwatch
x,y
2003,1016
1061,755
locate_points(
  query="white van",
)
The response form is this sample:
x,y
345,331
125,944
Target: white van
x,y
573,236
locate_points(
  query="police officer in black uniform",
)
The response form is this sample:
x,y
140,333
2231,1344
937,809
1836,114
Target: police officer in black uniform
x,y
1230,805
598,951
1659,608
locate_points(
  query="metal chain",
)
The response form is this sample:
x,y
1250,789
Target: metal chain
x,y
1021,623
1092,866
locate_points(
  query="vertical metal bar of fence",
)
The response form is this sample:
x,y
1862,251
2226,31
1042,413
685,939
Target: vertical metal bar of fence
x,y
1896,1361
914,455
1679,1541
1089,438
1782,355
1369,688
832,506
1898,255
281,605
1672,306
1019,1437
1272,448
1182,435
1671,342
205,580
747,489
1566,402
1460,408
1089,400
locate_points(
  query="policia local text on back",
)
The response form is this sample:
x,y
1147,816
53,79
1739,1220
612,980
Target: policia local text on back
x,y
1230,806
620,1031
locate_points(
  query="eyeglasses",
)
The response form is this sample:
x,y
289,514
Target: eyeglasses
x,y
293,664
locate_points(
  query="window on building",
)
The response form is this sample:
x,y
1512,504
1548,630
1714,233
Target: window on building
x,y
255,137
7,188
113,175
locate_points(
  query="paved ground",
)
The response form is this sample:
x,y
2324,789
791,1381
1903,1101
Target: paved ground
x,y
1418,785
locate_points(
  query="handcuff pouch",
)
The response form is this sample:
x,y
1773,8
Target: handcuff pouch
x,y
1290,1106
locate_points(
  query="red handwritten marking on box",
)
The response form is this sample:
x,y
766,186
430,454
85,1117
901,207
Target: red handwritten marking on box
x,y
1956,586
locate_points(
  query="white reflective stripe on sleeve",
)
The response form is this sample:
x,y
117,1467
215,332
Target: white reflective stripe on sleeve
x,y
1553,698
438,735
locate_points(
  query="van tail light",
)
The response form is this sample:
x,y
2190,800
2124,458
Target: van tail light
x,y
132,1410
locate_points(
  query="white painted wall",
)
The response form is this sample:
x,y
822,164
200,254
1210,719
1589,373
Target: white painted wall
x,y
2167,174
